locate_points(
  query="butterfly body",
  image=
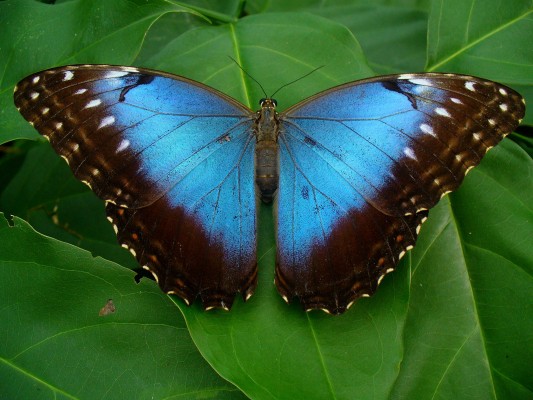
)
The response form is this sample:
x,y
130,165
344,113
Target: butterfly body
x,y
266,131
351,172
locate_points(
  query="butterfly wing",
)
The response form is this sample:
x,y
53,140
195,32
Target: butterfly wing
x,y
174,161
362,163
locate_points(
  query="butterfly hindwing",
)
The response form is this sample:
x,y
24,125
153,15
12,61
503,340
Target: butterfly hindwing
x,y
362,163
174,161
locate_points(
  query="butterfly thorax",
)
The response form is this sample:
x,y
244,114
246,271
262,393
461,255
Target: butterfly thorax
x,y
266,129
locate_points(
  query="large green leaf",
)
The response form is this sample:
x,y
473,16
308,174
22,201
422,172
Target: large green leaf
x,y
54,343
392,33
438,327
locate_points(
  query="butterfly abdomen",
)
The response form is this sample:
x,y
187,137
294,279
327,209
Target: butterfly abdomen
x,y
266,151
266,169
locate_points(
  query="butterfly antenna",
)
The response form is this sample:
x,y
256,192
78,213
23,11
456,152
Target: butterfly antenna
x,y
296,80
250,76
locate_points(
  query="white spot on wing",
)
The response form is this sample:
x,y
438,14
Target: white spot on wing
x,y
80,91
146,267
491,122
115,74
109,120
455,100
470,86
123,145
68,76
36,79
504,107
59,125
409,153
442,111
476,136
406,76
503,91
427,129
34,95
45,110
129,69
93,103
445,193
420,81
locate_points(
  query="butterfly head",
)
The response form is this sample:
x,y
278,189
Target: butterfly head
x,y
268,103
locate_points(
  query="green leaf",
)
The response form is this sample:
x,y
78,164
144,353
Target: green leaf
x,y
172,25
215,10
392,33
400,28
453,321
55,343
491,38
257,6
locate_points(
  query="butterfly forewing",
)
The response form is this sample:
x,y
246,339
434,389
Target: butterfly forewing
x,y
174,161
360,166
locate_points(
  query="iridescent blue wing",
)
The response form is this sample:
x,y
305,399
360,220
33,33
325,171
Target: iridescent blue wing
x,y
362,163
174,161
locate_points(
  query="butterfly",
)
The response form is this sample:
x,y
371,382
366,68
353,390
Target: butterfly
x,y
351,172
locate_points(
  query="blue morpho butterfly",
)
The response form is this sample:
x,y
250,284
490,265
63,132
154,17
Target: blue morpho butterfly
x,y
351,172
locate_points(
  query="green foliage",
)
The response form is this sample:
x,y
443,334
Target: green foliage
x,y
454,321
